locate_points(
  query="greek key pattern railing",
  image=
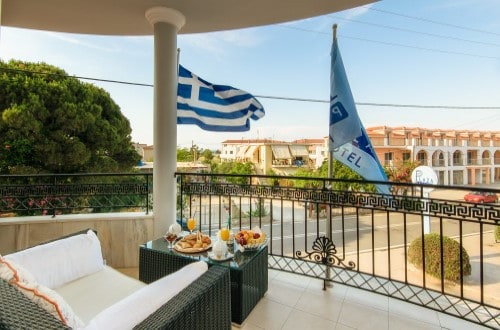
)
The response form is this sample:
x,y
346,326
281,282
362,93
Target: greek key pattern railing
x,y
407,204
371,234
56,194
73,189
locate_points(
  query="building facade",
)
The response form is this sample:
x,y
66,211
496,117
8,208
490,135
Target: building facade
x,y
282,158
459,157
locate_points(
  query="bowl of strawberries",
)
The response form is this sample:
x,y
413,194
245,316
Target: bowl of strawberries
x,y
251,239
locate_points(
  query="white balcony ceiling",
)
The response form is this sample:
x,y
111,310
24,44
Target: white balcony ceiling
x,y
126,17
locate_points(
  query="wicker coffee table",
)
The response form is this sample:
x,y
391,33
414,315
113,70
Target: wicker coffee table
x,y
248,272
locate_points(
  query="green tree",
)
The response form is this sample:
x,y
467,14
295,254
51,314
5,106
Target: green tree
x,y
308,174
184,155
235,168
53,123
207,155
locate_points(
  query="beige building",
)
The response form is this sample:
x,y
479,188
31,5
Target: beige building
x,y
284,158
146,152
459,157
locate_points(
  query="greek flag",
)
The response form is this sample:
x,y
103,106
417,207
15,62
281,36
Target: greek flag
x,y
348,139
214,107
344,120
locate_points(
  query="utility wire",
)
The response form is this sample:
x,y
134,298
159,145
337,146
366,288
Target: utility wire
x,y
392,43
391,105
77,77
430,21
261,96
415,32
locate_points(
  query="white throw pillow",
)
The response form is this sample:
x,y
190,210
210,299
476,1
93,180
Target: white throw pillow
x,y
56,263
44,297
135,308
11,272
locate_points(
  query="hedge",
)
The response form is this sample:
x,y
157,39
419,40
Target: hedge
x,y
451,250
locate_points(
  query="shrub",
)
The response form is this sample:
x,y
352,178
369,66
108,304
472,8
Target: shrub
x,y
259,209
497,233
451,249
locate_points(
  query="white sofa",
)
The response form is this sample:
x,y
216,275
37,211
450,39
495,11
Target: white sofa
x,y
67,281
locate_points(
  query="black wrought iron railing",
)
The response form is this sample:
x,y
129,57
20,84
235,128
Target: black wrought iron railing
x,y
344,231
337,230
53,194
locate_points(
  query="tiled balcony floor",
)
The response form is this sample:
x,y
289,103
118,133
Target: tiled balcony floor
x,y
299,302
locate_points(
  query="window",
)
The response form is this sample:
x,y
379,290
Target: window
x,y
406,156
422,157
388,158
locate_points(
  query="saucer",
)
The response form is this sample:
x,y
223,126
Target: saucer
x,y
225,257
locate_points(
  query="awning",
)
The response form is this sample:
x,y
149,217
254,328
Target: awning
x,y
241,152
281,152
299,150
250,151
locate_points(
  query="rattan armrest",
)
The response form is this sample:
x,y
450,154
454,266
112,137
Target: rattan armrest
x,y
18,312
205,304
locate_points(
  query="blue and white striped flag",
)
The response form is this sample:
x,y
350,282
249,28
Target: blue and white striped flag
x,y
214,107
345,124
348,139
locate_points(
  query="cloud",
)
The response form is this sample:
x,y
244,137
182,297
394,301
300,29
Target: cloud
x,y
80,41
219,43
356,12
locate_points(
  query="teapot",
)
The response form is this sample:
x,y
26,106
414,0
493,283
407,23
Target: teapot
x,y
219,249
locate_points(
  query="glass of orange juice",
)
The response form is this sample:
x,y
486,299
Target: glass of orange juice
x,y
191,224
224,234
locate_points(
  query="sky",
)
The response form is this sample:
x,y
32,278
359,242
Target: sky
x,y
397,52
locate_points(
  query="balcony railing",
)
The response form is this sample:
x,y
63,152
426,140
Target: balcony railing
x,y
336,230
53,194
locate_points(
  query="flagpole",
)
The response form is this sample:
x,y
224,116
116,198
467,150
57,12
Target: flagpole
x,y
330,152
330,176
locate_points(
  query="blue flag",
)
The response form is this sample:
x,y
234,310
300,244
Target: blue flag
x,y
214,107
348,139
360,157
345,125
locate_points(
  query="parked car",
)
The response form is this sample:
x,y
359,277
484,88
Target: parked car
x,y
481,197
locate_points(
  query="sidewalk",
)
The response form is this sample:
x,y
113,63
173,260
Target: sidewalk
x,y
471,287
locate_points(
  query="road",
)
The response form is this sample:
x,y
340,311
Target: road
x,y
376,232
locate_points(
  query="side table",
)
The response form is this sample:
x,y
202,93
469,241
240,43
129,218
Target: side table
x,y
248,272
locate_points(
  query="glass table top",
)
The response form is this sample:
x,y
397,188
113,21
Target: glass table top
x,y
239,260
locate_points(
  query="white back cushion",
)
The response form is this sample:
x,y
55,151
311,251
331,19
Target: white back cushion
x,y
56,263
44,297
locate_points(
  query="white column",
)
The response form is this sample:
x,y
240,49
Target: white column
x,y
166,23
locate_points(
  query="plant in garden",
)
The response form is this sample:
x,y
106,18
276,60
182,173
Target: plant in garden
x,y
259,209
451,256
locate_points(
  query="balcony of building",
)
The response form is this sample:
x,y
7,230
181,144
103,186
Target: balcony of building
x,y
370,271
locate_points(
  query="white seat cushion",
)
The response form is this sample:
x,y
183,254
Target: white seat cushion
x,y
133,309
91,294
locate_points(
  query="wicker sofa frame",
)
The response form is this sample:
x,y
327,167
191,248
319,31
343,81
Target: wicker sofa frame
x,y
204,304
